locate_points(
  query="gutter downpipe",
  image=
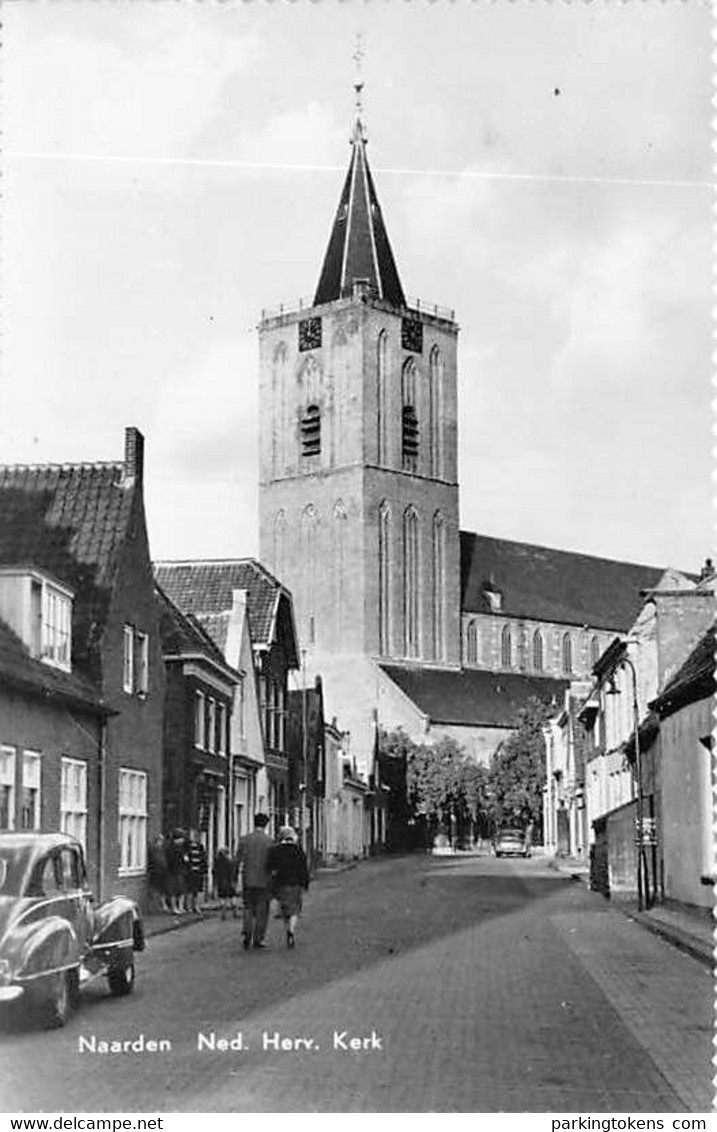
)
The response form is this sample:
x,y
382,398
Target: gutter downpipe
x,y
102,785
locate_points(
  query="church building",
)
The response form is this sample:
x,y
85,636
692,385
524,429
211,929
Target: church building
x,y
409,620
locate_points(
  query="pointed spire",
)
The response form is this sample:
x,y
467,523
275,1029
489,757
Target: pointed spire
x,y
359,250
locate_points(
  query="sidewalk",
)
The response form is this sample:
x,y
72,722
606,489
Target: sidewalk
x,y
692,930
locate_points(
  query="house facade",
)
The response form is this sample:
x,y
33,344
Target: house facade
x,y
199,701
345,825
609,741
76,591
305,744
215,593
52,727
682,758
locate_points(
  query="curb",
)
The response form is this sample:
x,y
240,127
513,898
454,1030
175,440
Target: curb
x,y
683,941
173,924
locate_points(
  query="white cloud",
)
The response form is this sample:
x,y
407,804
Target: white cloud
x,y
143,97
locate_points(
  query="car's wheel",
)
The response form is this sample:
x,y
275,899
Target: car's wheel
x,y
498,854
121,977
57,1004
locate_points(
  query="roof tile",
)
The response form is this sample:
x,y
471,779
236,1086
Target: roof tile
x,y
552,585
472,696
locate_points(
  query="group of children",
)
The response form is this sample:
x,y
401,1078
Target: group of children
x,y
178,871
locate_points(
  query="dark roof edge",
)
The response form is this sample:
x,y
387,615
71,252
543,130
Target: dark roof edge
x,y
42,692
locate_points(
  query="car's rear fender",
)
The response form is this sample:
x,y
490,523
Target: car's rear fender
x,y
118,924
38,949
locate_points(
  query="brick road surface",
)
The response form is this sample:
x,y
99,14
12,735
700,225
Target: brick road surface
x,y
481,985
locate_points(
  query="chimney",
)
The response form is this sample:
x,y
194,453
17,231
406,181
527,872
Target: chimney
x,y
133,454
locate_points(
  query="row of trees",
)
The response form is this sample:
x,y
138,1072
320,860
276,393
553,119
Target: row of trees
x,y
449,792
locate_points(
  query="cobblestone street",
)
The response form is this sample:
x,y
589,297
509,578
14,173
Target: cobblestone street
x,y
474,985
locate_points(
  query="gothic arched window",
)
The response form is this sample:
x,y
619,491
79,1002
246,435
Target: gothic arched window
x,y
309,538
436,411
409,417
411,635
506,647
567,653
594,650
384,579
277,420
538,651
472,643
439,572
381,396
339,557
279,548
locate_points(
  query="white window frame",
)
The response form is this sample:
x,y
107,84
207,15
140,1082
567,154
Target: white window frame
x,y
73,798
8,769
211,743
142,663
56,627
33,759
128,660
132,821
199,699
242,709
221,729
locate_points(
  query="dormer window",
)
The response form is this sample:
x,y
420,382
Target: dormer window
x,y
38,608
50,623
311,431
494,599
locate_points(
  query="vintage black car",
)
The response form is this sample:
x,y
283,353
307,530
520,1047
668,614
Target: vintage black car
x,y
52,935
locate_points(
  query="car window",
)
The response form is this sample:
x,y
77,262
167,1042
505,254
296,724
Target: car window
x,y
47,877
70,869
12,871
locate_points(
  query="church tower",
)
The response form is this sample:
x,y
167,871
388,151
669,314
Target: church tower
x,y
358,491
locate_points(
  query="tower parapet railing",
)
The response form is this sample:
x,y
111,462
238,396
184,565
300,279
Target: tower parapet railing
x,y
412,304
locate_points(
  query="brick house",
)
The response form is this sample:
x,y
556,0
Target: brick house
x,y
214,592
198,700
305,744
81,633
43,709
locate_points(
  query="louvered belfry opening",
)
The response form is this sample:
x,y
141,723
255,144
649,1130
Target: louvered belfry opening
x,y
311,431
410,436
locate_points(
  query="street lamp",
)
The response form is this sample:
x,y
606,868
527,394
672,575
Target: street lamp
x,y
642,876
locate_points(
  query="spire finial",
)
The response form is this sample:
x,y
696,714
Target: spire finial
x,y
358,58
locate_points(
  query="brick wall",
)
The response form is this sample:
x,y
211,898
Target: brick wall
x,y
55,730
135,735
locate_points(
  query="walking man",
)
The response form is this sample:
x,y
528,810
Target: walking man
x,y
253,857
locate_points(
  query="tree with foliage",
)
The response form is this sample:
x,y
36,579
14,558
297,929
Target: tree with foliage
x,y
517,771
444,786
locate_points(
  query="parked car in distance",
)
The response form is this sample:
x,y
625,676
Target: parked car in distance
x,y
511,843
52,936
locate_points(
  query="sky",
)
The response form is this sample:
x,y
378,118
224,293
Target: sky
x,y
171,169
